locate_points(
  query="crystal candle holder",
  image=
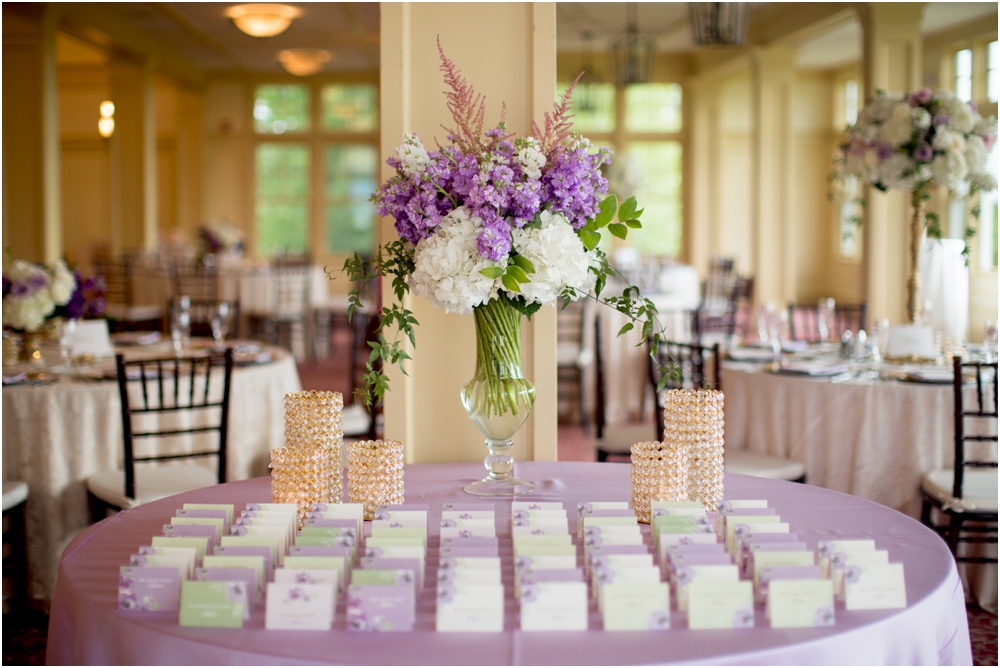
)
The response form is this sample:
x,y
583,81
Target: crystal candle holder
x,y
693,420
659,472
375,474
308,469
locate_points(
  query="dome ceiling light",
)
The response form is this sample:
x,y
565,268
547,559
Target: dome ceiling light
x,y
303,62
263,19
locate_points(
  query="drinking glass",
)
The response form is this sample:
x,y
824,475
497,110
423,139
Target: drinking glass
x,y
766,315
990,339
180,324
220,324
824,317
67,337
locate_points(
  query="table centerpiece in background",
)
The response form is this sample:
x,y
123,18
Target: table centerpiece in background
x,y
913,143
496,226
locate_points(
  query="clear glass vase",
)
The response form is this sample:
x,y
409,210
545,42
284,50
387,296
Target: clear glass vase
x,y
499,398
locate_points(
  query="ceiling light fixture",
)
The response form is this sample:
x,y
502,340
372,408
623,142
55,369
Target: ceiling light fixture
x,y
634,54
303,62
263,19
719,23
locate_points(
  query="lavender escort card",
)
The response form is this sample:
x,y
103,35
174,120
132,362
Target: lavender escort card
x,y
149,588
380,608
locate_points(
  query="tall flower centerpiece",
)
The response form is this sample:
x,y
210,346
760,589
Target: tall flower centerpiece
x,y
497,226
913,143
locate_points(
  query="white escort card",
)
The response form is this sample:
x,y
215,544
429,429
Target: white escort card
x,y
300,607
636,607
554,606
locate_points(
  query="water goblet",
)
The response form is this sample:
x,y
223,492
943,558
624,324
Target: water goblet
x,y
67,337
220,324
180,324
824,316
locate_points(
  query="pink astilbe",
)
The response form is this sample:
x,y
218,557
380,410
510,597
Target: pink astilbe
x,y
558,124
467,108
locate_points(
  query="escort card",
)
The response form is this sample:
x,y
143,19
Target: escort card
x,y
740,514
199,543
523,541
384,515
223,514
326,540
395,541
800,603
587,508
636,607
841,561
256,563
392,507
750,523
209,533
468,507
601,550
725,507
470,541
385,531
179,564
297,561
218,522
469,576
149,588
466,551
255,541
399,576
250,551
300,607
720,605
685,576
669,536
632,575
826,548
530,528
468,514
469,607
526,563
213,604
380,608
450,530
554,606
289,508
212,506
873,587
785,573
740,534
309,576
704,559
189,554
764,558
245,575
450,563
536,505
540,515
397,552
277,533
396,564
770,540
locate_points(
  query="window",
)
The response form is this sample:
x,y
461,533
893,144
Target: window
x,y
314,175
963,75
643,125
989,236
851,101
849,211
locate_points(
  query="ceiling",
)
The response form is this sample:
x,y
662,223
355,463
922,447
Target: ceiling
x,y
201,34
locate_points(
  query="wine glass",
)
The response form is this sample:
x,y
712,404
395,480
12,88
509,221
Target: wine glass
x,y
990,339
67,337
180,324
824,317
220,324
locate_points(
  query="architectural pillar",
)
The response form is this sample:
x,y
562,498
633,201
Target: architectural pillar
x,y
892,61
423,409
773,235
702,118
32,225
150,187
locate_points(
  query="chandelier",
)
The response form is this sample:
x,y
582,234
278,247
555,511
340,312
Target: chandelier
x,y
634,55
262,19
719,23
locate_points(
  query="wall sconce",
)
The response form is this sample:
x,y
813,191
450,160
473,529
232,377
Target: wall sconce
x,y
106,126
263,19
303,62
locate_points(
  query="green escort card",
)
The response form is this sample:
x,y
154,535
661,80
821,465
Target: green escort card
x,y
400,532
255,541
213,603
256,563
199,543
217,522
395,541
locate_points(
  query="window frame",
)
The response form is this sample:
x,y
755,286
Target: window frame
x,y
317,139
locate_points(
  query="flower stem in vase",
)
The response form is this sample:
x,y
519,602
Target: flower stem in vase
x,y
499,398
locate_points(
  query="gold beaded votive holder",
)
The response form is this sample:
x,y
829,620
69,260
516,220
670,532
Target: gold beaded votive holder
x,y
693,419
308,469
660,473
375,474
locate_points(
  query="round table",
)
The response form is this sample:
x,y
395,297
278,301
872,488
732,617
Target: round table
x,y
57,435
86,627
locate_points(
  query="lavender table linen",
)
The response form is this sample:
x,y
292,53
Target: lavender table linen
x,y
86,627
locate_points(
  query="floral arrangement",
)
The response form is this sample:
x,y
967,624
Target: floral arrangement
x,y
32,292
490,221
221,237
921,139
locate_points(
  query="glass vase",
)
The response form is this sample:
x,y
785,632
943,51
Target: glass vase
x,y
499,398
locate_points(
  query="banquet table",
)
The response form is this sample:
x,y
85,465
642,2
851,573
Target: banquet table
x,y
86,627
56,434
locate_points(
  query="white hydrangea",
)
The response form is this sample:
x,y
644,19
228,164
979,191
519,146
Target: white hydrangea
x,y
986,127
975,153
413,157
898,129
28,312
961,118
892,170
447,265
921,118
951,142
878,110
530,158
984,181
949,169
63,283
559,258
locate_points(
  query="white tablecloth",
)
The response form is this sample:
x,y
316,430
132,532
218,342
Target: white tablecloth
x,y
55,436
872,439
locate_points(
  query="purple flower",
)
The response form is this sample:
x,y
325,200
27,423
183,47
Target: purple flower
x,y
449,523
922,96
659,619
923,153
127,600
943,119
824,617
445,594
883,151
494,240
21,289
743,619
529,593
6,286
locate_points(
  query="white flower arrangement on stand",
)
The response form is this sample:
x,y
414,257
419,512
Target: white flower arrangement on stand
x,y
32,292
915,142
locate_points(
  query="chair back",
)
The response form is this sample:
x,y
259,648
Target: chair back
x,y
203,311
687,366
719,314
194,280
161,392
979,408
570,322
803,321
117,272
292,285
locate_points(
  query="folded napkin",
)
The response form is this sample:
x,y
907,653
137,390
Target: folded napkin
x,y
751,354
14,379
814,368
